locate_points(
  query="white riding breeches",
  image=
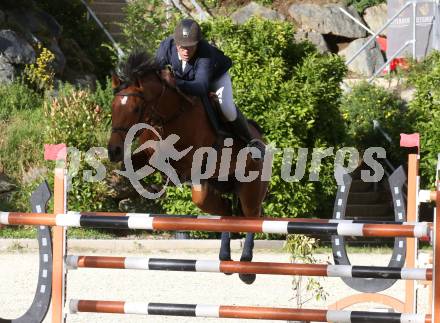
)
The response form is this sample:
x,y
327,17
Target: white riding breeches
x,y
222,86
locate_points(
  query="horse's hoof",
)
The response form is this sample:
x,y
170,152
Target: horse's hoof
x,y
228,258
246,257
247,278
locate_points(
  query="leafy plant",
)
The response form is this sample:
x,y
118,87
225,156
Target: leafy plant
x,y
301,249
361,5
41,73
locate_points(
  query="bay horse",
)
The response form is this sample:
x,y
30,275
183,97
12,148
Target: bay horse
x,y
145,94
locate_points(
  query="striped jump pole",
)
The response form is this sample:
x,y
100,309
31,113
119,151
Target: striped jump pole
x,y
215,224
268,268
242,312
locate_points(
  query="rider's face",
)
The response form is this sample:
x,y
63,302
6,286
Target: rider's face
x,y
186,52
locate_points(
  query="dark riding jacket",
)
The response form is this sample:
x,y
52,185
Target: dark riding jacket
x,y
207,64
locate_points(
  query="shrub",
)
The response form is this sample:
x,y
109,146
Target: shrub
x,y
361,5
15,97
74,118
145,24
40,75
424,113
366,103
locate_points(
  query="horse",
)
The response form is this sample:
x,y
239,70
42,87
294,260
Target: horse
x,y
144,93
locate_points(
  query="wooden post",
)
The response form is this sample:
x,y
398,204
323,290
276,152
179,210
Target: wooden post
x,y
412,216
436,262
58,153
59,245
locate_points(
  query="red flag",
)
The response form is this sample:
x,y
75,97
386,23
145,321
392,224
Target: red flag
x,y
55,152
412,140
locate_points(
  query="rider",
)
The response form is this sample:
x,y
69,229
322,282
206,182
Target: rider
x,y
200,68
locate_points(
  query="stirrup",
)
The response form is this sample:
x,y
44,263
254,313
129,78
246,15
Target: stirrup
x,y
260,145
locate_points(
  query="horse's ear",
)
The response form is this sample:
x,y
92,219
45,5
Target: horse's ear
x,y
115,81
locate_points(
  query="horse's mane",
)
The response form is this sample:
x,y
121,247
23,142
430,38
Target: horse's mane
x,y
137,64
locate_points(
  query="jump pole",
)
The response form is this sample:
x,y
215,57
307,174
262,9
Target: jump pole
x,y
242,312
213,224
268,268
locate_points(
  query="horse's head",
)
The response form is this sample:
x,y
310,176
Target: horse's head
x,y
137,87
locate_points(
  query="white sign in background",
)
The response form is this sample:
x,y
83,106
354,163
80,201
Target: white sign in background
x,y
401,29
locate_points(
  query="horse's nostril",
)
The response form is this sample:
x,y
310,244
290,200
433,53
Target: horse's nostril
x,y
114,153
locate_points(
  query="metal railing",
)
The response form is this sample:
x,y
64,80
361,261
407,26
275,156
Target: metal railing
x,y
412,42
92,14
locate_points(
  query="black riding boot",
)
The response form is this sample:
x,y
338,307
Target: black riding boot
x,y
240,128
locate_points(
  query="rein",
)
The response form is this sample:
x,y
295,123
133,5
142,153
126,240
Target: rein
x,y
154,110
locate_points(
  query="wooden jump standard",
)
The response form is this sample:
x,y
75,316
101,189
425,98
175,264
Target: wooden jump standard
x,y
212,224
243,312
269,268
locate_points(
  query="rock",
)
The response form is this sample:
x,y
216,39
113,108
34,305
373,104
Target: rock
x,y
254,9
15,49
36,22
75,56
59,62
86,81
369,61
6,185
376,17
315,38
327,19
7,71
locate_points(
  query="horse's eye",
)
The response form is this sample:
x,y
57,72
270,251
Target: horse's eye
x,y
136,110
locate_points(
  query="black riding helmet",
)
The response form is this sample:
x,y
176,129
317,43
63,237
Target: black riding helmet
x,y
187,33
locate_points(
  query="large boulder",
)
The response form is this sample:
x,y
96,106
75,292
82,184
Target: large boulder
x,y
15,49
7,71
328,19
376,17
36,22
59,62
254,9
315,38
368,61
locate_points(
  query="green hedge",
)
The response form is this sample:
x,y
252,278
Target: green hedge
x,y
366,103
424,113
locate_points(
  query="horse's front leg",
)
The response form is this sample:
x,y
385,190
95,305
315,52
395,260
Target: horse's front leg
x,y
209,201
251,196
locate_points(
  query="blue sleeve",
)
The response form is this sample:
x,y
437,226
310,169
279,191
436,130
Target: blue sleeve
x,y
200,85
161,55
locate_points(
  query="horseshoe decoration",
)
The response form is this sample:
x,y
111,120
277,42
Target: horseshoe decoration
x,y
40,305
371,285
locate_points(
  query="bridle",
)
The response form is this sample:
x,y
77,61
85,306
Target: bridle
x,y
156,117
154,107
